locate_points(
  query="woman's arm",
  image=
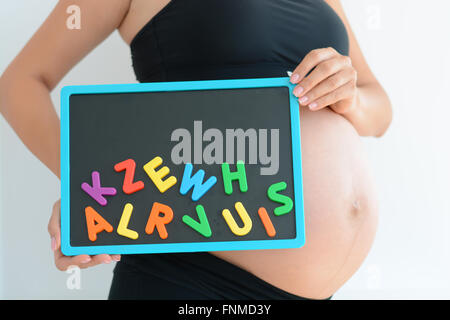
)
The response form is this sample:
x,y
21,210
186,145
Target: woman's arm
x,y
53,50
26,84
345,84
372,114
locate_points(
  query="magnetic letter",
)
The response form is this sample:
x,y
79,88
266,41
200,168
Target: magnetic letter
x,y
195,182
95,223
239,231
239,175
122,229
157,176
262,212
201,227
129,186
156,220
97,191
273,195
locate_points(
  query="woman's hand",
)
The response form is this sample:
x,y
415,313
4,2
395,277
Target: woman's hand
x,y
331,83
62,262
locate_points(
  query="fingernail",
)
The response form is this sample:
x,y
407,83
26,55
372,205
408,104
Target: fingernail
x,y
295,77
107,260
313,105
53,243
88,259
298,91
303,100
117,259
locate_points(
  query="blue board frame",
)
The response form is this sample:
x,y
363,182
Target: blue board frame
x,y
67,91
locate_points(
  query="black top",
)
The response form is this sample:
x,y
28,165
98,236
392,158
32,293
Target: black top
x,y
218,39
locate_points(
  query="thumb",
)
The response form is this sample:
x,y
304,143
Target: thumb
x,y
54,227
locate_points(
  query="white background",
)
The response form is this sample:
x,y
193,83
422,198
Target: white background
x,y
406,43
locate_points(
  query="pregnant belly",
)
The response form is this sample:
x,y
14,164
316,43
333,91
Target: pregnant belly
x,y
340,213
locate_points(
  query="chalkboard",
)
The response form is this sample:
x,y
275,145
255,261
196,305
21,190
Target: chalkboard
x,y
233,179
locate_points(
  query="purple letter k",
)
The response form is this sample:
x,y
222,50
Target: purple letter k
x,y
96,191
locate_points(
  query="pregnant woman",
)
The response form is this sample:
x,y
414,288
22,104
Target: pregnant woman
x,y
339,100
